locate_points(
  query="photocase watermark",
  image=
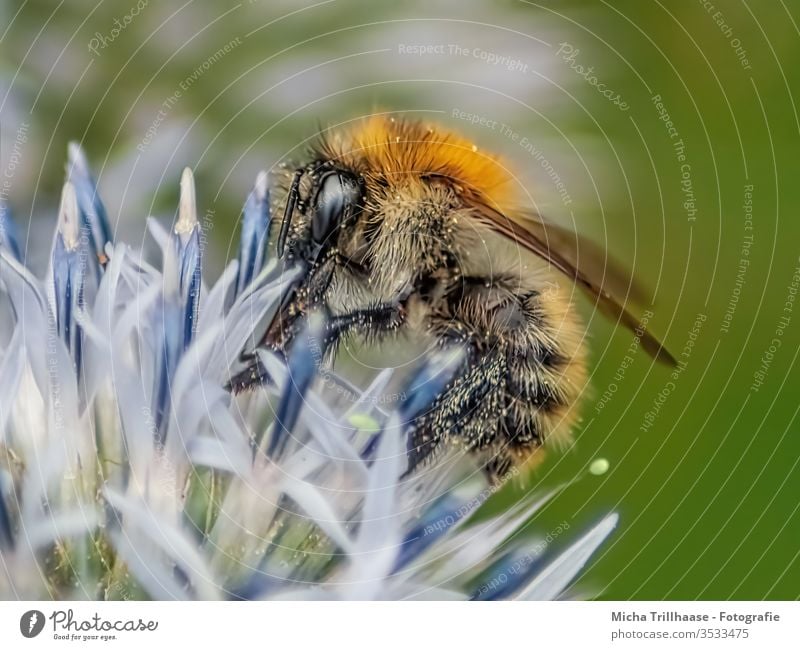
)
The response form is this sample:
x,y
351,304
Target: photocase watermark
x,y
727,31
744,260
170,102
627,362
66,627
488,57
523,141
102,41
569,54
688,200
31,623
780,328
682,361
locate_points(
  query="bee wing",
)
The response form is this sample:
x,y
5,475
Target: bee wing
x,y
579,260
587,256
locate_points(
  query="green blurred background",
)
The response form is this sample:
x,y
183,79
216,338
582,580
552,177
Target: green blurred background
x,y
706,476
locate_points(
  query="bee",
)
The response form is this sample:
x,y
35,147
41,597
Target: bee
x,y
401,226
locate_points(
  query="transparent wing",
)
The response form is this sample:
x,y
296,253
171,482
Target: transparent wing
x,y
580,260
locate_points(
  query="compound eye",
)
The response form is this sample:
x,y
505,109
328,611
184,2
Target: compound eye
x,y
337,200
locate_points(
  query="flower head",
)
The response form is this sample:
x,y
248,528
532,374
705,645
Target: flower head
x,y
128,470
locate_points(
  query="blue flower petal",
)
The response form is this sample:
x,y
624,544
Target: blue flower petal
x,y
190,280
437,521
6,531
69,266
176,321
258,586
306,355
169,320
426,385
9,237
255,230
187,247
512,572
422,390
93,212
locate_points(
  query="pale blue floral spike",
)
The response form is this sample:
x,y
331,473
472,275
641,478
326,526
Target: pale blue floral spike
x,y
435,523
431,379
508,575
190,260
421,390
304,361
176,323
169,322
93,212
187,243
255,231
553,578
9,237
6,531
529,574
69,268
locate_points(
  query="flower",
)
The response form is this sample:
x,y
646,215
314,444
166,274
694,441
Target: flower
x,y
128,470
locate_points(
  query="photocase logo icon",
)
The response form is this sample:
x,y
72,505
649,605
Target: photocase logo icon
x,y
31,623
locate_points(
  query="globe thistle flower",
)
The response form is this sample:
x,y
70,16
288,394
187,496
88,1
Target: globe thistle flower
x,y
128,470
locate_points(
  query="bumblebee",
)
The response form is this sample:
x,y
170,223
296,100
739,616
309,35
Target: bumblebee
x,y
403,226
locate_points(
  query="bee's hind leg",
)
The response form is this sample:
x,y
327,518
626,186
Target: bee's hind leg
x,y
524,371
465,415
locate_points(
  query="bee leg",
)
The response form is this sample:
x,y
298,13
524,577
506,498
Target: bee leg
x,y
524,371
251,377
382,317
465,412
424,440
475,414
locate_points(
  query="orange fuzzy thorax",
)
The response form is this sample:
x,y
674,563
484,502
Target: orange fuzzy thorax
x,y
381,146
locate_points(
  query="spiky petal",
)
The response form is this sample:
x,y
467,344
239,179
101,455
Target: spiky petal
x,y
255,230
92,211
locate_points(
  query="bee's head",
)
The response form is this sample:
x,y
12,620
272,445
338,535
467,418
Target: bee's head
x,y
334,200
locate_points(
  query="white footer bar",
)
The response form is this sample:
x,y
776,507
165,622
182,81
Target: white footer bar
x,y
406,625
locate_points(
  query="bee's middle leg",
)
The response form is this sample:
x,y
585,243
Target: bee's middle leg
x,y
382,317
